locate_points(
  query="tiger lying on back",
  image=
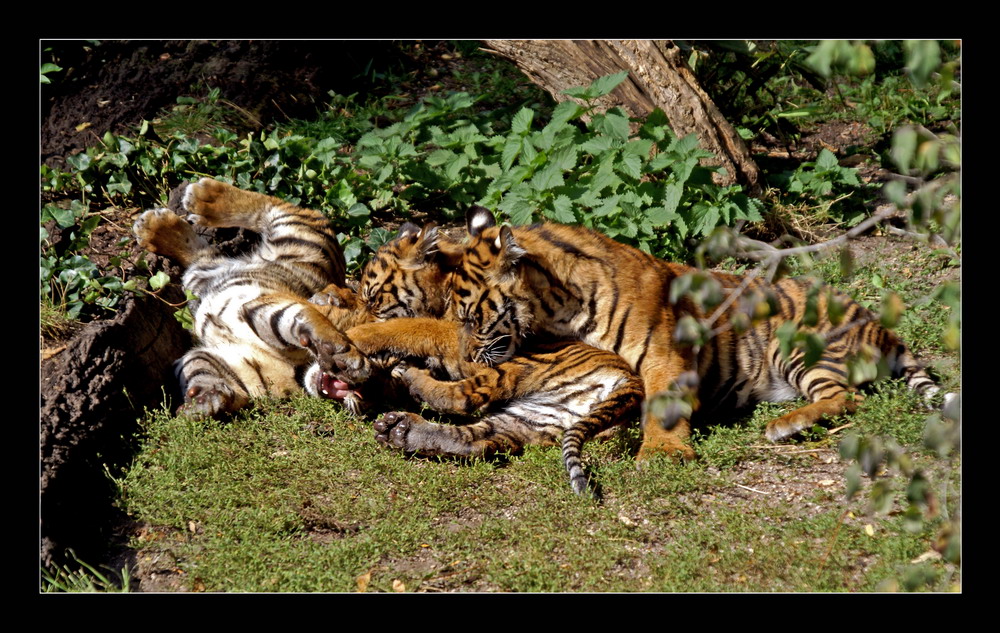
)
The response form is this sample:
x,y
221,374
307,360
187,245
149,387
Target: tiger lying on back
x,y
547,390
571,282
258,333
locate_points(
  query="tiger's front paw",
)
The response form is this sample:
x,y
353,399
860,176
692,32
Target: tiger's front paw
x,y
339,305
339,359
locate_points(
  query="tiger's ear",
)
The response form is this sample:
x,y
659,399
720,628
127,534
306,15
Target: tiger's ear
x,y
409,229
478,219
417,245
510,252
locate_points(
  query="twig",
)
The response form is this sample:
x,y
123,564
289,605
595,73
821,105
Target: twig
x,y
833,540
763,492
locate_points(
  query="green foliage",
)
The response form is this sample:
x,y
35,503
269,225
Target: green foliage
x,y
47,68
70,281
825,183
78,576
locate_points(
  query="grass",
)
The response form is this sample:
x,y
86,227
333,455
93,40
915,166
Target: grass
x,y
296,496
80,577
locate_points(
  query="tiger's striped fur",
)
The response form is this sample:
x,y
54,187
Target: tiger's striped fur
x,y
546,391
257,332
571,282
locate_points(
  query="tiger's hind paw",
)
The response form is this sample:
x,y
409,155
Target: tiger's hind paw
x,y
393,430
213,203
213,401
163,232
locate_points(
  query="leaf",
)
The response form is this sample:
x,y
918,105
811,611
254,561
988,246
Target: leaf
x,y
563,210
613,125
440,157
159,280
826,160
521,123
565,112
892,310
814,345
785,335
362,581
660,216
604,85
923,57
795,113
548,177
904,147
511,150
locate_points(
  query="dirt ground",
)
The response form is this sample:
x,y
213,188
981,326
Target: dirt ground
x,y
114,86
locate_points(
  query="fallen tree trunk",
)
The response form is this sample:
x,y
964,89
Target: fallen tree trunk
x,y
658,78
93,391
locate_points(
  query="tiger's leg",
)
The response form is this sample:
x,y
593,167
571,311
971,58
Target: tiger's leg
x,y
340,306
211,388
805,417
287,322
824,383
460,397
663,434
408,337
295,235
413,434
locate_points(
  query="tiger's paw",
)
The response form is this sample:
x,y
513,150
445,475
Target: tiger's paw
x,y
678,451
163,232
396,430
783,428
204,201
339,359
339,305
211,401
657,440
212,203
336,296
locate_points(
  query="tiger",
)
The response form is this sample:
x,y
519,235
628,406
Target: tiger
x,y
572,282
258,334
549,389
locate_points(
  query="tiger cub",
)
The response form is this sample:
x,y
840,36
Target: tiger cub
x,y
572,282
546,391
257,332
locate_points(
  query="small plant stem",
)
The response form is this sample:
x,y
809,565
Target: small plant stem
x,y
833,540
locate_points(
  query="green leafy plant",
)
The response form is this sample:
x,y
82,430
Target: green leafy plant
x,y
70,281
78,576
47,68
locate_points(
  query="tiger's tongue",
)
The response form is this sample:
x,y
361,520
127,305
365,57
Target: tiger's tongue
x,y
331,387
326,385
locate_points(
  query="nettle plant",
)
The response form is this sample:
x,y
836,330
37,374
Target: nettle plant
x,y
645,188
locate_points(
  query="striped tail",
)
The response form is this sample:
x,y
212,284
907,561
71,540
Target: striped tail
x,y
572,450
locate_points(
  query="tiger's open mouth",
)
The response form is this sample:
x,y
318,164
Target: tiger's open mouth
x,y
327,387
325,384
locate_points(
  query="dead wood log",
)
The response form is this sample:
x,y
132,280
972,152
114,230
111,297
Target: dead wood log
x,y
658,78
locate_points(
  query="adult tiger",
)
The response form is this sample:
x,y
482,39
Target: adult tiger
x,y
257,332
572,282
